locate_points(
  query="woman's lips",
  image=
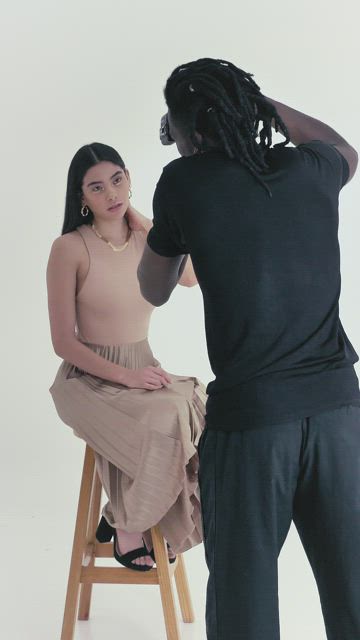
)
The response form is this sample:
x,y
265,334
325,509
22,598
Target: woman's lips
x,y
115,207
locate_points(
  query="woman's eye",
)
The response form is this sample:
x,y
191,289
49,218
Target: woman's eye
x,y
97,188
118,180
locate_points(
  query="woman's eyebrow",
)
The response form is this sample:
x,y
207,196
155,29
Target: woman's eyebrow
x,y
101,181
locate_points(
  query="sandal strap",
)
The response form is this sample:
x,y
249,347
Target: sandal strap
x,y
134,554
151,553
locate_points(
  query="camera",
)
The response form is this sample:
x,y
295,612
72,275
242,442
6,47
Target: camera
x,y
165,136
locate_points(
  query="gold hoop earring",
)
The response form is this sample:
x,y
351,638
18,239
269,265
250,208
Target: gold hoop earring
x,y
130,193
85,211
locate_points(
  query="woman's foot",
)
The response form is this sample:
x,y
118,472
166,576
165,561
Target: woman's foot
x,y
148,544
126,542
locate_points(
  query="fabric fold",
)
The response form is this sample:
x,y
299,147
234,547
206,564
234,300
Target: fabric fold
x,y
144,442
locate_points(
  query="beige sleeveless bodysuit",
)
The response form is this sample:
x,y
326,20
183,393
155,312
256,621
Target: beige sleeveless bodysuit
x,y
109,306
144,441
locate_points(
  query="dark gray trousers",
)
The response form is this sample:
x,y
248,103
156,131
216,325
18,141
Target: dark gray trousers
x,y
253,484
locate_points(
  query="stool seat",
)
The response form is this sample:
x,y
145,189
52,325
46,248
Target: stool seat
x,y
86,549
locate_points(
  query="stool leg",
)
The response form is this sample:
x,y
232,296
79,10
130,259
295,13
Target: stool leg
x,y
79,545
165,583
183,590
86,589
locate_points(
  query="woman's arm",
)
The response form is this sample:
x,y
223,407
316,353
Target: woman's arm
x,y
137,222
65,259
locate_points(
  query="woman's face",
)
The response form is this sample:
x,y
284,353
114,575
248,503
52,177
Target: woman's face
x,y
106,190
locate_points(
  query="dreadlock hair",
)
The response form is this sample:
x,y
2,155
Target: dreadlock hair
x,y
85,158
224,104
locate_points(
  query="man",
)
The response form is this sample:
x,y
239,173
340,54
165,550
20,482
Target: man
x,y
282,437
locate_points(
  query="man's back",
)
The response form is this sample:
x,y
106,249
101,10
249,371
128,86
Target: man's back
x,y
282,437
269,271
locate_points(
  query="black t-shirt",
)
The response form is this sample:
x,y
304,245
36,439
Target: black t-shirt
x,y
269,272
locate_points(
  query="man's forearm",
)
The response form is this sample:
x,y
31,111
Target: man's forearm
x,y
158,276
303,128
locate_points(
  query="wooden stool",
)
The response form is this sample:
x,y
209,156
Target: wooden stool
x,y
83,572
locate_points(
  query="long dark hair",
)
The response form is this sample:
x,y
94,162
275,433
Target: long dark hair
x,y
223,103
83,160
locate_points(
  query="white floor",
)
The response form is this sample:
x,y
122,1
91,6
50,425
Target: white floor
x,y
40,485
32,596
33,591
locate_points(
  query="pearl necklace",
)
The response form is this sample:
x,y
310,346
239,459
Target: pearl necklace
x,y
111,245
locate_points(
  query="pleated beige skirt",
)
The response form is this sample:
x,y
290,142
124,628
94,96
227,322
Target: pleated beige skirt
x,y
144,442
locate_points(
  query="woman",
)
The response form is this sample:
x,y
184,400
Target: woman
x,y
142,423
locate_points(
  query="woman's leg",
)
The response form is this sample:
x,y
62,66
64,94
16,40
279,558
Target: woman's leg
x,y
110,478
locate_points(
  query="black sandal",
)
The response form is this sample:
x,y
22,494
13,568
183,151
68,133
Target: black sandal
x,y
152,555
105,532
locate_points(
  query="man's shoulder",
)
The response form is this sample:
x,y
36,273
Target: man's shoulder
x,y
286,157
281,151
175,166
195,165
173,174
320,158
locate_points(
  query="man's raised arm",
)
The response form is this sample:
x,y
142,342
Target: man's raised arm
x,y
303,129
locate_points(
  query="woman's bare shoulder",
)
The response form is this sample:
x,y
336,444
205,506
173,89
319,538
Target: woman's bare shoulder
x,y
68,242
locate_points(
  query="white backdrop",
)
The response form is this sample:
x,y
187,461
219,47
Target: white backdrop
x,y
75,72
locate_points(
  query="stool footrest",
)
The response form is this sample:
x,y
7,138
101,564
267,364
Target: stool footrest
x,y
117,575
